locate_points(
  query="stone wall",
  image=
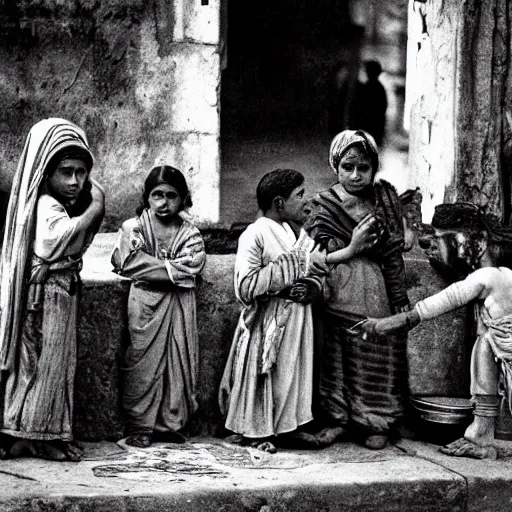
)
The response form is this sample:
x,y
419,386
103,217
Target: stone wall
x,y
458,95
437,350
142,79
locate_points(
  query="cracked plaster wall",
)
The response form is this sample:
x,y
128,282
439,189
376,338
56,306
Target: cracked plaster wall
x,y
142,79
458,93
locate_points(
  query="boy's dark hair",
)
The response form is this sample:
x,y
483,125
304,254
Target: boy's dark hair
x,y
279,182
169,175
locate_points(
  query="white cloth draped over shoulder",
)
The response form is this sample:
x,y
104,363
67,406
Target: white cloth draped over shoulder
x,y
267,384
161,363
43,141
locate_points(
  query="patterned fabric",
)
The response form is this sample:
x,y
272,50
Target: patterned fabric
x,y
40,286
161,363
362,381
44,140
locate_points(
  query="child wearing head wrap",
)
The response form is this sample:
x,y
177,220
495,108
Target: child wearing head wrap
x,y
54,211
163,254
360,224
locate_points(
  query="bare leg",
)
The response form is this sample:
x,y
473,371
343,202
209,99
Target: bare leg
x,y
479,436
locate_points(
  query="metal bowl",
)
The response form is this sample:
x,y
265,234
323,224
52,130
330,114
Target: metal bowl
x,y
443,409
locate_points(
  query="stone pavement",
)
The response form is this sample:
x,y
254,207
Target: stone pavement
x,y
207,474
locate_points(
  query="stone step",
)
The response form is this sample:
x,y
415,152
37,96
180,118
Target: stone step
x,y
205,476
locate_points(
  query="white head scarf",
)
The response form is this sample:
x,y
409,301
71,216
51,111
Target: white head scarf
x,y
348,138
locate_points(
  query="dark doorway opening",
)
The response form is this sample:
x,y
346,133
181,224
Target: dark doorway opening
x,y
282,57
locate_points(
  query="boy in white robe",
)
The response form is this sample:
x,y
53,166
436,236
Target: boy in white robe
x,y
267,386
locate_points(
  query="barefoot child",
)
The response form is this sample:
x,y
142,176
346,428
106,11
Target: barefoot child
x,y
359,222
266,389
466,238
163,254
54,212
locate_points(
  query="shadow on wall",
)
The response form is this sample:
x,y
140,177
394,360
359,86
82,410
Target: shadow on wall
x,y
4,199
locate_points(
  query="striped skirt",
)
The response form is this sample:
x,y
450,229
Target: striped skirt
x,y
38,394
363,382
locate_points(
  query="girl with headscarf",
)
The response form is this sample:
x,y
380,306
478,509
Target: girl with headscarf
x,y
54,211
359,223
163,254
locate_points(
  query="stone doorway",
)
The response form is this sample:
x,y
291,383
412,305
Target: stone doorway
x,y
278,69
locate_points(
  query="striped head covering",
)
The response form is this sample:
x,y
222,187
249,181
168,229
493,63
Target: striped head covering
x,y
45,140
348,139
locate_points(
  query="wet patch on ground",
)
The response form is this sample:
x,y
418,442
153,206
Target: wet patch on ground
x,y
217,459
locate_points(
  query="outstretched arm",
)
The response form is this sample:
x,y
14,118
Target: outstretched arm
x,y
475,286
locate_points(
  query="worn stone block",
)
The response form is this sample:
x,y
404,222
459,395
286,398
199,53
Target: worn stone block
x,y
115,70
438,351
201,22
178,86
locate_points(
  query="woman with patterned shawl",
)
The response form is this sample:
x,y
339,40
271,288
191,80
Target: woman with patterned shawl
x,y
54,211
363,379
163,254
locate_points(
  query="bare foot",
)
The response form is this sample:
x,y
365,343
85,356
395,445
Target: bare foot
x,y
22,448
264,446
376,442
73,451
261,444
139,441
465,448
234,439
481,430
48,451
328,435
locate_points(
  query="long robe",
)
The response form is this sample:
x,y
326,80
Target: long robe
x,y
161,362
266,388
39,387
363,380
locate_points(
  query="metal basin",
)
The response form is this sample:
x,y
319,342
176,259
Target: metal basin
x,y
443,409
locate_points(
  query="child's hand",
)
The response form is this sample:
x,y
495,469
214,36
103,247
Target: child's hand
x,y
97,192
317,262
298,292
364,236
